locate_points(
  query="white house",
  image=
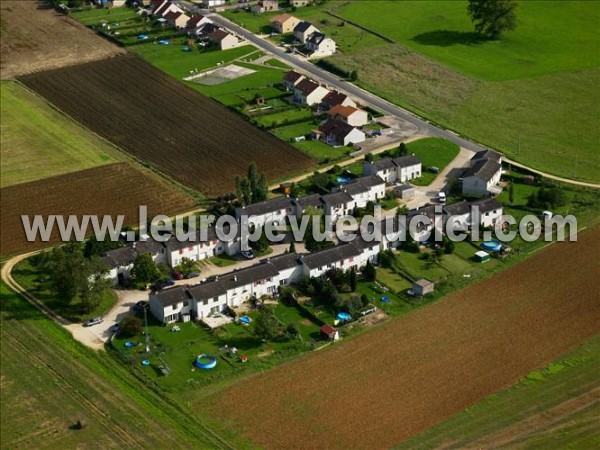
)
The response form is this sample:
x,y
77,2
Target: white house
x,y
291,79
481,178
349,114
343,256
424,229
320,45
212,3
303,30
275,210
195,22
336,133
265,6
489,212
177,19
284,23
312,201
166,8
487,154
170,304
338,204
335,98
119,262
299,3
307,92
459,215
400,169
223,39
365,189
408,168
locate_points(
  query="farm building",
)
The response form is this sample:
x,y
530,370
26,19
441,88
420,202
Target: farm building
x,y
422,287
265,6
303,30
284,23
335,98
309,93
291,79
336,133
319,45
349,114
330,333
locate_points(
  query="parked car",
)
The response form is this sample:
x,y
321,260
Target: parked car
x,y
177,275
115,328
141,305
192,275
93,321
442,197
248,254
162,284
433,169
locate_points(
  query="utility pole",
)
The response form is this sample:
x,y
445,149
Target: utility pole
x,y
146,331
575,167
519,144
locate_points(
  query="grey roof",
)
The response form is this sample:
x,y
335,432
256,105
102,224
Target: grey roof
x,y
428,210
402,188
334,98
302,27
126,255
458,209
337,198
407,161
484,169
172,296
362,184
307,86
336,128
385,163
286,261
211,234
360,243
487,154
330,255
315,38
487,204
268,206
313,200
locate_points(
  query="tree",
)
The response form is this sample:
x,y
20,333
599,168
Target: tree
x,y
253,188
353,75
368,157
187,265
369,272
262,244
511,193
292,247
547,198
294,190
449,247
493,17
352,279
364,299
402,149
144,269
292,330
94,247
266,326
131,326
260,192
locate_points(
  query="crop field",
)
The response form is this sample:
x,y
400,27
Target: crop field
x,y
533,94
38,141
555,407
49,382
161,122
385,386
35,37
111,189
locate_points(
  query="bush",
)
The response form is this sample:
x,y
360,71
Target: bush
x,y
131,326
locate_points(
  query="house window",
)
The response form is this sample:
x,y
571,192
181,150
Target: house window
x,y
215,300
186,303
205,301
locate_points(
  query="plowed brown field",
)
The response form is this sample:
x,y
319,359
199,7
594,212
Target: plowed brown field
x,y
160,121
112,189
387,385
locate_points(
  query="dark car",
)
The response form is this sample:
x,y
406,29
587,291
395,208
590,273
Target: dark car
x,y
177,275
162,284
140,306
192,275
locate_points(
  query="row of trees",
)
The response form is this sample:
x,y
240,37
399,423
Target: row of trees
x,y
252,188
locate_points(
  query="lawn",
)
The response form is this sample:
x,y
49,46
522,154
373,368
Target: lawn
x,y
435,152
318,150
50,381
532,95
36,281
283,117
535,397
39,142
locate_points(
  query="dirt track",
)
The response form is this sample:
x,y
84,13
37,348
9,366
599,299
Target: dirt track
x,y
35,38
383,387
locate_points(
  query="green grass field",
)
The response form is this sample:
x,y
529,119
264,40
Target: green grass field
x,y
39,142
536,398
433,152
54,381
533,94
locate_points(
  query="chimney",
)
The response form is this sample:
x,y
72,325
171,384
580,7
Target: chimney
x,y
235,278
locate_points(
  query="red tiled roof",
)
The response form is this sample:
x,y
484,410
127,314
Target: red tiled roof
x,y
344,111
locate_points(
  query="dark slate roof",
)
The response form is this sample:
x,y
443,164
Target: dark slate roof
x,y
407,161
385,163
172,296
402,188
268,206
126,255
362,184
336,128
218,35
315,38
292,77
334,98
484,169
194,20
487,154
337,198
487,204
302,27
207,29
313,200
330,255
211,234
307,86
428,210
458,209
360,243
286,261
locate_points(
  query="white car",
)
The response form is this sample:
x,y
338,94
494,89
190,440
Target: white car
x,y
442,197
248,254
94,321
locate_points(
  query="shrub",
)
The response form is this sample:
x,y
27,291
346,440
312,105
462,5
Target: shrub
x,y
131,326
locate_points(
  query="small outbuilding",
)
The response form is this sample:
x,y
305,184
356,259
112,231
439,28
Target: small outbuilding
x,y
330,333
404,191
422,287
482,256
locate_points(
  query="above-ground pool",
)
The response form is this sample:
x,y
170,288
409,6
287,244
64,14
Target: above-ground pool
x,y
385,299
145,362
205,361
245,319
129,344
343,180
344,316
492,246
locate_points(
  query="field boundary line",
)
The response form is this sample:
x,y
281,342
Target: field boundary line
x,y
362,27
